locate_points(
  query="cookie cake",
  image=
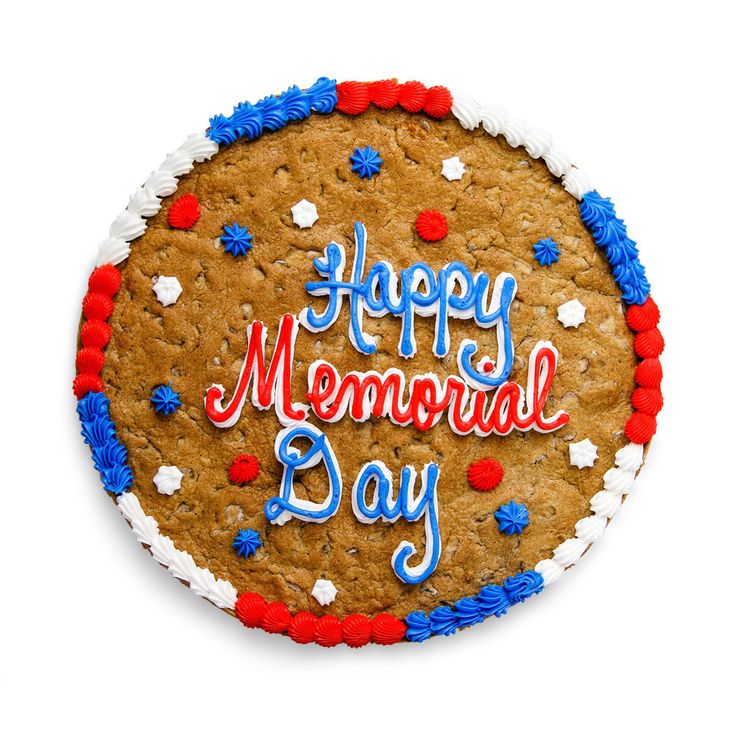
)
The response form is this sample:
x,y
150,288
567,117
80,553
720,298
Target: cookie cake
x,y
368,363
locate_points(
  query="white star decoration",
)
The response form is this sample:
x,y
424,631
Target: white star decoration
x,y
583,454
168,479
304,213
453,168
168,289
324,592
571,314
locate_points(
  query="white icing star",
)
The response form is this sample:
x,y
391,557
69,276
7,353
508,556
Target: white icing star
x,y
304,213
324,592
453,168
168,479
571,314
167,289
583,454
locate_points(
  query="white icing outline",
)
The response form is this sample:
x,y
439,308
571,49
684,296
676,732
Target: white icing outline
x,y
393,503
146,202
480,309
287,493
538,370
281,370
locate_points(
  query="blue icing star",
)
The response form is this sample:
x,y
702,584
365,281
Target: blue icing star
x,y
366,162
165,400
512,517
546,251
246,542
237,240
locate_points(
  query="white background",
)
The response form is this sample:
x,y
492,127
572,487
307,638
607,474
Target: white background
x,y
99,639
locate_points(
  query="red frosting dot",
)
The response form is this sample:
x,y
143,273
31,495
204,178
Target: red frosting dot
x,y
647,400
244,469
302,627
184,212
412,96
356,630
384,93
431,225
387,629
276,618
97,306
328,631
90,360
105,280
649,373
439,102
643,316
649,344
485,475
352,97
95,334
249,608
640,428
86,382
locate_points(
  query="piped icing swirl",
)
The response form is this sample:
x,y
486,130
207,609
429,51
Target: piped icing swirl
x,y
271,113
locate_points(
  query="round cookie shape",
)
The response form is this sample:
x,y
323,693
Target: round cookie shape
x,y
397,402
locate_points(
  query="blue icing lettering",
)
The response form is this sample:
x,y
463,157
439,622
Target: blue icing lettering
x,y
286,505
416,291
408,505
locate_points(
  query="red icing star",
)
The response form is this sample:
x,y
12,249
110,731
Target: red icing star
x,y
485,475
244,469
431,225
185,212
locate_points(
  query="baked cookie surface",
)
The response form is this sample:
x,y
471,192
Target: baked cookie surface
x,y
366,374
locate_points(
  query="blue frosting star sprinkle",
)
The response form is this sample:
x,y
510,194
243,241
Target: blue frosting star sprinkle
x,y
366,162
512,517
237,240
546,251
165,400
246,542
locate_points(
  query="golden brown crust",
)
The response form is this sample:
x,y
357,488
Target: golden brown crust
x,y
505,203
